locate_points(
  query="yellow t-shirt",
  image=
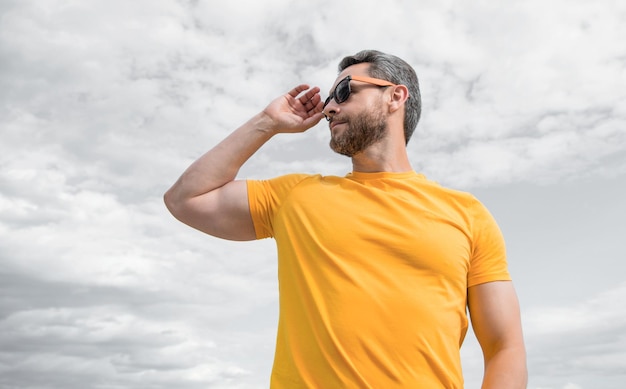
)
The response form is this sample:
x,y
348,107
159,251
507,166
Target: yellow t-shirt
x,y
373,271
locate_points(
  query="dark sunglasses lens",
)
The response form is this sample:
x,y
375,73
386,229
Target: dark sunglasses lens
x,y
327,101
342,92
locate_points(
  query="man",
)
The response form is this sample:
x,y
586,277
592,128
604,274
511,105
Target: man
x,y
376,269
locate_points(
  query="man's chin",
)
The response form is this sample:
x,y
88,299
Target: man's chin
x,y
339,149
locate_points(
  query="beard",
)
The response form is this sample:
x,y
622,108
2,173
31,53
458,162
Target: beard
x,y
361,132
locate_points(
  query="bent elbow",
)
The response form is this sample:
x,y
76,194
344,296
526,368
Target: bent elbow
x,y
173,202
185,209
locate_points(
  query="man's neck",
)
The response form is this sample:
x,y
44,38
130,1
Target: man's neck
x,y
382,157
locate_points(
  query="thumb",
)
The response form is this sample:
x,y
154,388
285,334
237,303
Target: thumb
x,y
313,119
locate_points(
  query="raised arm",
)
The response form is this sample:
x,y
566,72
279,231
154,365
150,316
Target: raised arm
x,y
207,196
495,315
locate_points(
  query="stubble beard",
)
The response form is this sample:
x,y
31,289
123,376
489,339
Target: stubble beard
x,y
361,132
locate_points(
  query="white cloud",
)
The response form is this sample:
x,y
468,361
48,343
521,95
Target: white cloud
x,y
104,103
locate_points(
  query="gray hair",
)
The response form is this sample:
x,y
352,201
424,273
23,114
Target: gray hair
x,y
391,68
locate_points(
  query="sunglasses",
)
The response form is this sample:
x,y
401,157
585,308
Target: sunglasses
x,y
342,90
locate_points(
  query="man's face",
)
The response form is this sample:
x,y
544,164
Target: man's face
x,y
358,131
360,121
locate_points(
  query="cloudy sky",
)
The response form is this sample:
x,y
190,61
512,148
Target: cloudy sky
x,y
104,103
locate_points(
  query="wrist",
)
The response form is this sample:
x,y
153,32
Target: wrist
x,y
264,123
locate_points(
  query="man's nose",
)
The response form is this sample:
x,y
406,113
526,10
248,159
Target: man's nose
x,y
331,109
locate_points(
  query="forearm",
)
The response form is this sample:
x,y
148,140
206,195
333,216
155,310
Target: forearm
x,y
221,164
506,369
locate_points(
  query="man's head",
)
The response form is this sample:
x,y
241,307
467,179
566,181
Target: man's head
x,y
361,122
395,70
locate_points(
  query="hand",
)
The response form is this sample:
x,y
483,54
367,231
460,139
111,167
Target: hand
x,y
295,111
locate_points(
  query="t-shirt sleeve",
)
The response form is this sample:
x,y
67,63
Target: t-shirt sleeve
x,y
488,261
265,198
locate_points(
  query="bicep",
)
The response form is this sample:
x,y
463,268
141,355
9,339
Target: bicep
x,y
223,212
495,315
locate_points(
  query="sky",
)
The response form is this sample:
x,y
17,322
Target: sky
x,y
103,104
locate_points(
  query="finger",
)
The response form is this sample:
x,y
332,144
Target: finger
x,y
314,105
310,105
297,90
310,99
313,119
309,95
319,106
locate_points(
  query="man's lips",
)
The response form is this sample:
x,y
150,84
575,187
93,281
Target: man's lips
x,y
335,123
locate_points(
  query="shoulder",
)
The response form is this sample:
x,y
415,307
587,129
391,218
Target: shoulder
x,y
452,196
279,186
284,181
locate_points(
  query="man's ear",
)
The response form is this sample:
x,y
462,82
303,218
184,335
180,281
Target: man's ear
x,y
398,97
